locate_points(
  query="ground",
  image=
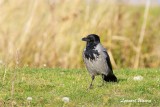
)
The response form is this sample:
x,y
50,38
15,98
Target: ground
x,y
46,87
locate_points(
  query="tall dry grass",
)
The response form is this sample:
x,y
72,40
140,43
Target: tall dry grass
x,y
48,33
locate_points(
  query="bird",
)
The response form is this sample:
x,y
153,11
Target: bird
x,y
97,60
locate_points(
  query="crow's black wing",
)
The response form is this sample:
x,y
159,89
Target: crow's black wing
x,y
108,60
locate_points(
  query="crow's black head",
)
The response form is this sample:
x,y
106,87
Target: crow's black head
x,y
91,39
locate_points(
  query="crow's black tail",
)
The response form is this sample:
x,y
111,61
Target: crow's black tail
x,y
110,78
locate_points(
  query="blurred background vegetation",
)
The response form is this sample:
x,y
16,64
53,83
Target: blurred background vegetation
x,y
47,33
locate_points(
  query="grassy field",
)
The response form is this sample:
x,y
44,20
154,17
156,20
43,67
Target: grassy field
x,y
48,86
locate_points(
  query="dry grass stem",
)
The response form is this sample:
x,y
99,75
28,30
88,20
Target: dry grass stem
x,y
142,34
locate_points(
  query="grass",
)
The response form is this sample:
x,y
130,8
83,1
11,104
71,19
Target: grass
x,y
48,86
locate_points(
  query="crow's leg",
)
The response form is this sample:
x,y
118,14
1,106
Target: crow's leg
x,y
90,86
102,80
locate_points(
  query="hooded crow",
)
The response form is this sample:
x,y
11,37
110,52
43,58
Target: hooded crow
x,y
97,60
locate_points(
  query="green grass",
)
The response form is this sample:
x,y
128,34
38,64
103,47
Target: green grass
x,y
48,86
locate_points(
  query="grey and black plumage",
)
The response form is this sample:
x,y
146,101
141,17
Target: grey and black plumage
x,y
97,60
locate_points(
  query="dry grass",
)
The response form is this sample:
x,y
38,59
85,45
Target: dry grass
x,y
48,33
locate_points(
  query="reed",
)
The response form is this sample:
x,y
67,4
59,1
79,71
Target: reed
x,y
48,33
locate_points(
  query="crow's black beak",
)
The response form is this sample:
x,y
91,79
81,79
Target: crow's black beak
x,y
85,39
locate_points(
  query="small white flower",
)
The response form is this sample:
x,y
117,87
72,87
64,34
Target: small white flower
x,y
138,78
65,99
44,65
29,98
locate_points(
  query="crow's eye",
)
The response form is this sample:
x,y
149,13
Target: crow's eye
x,y
91,39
